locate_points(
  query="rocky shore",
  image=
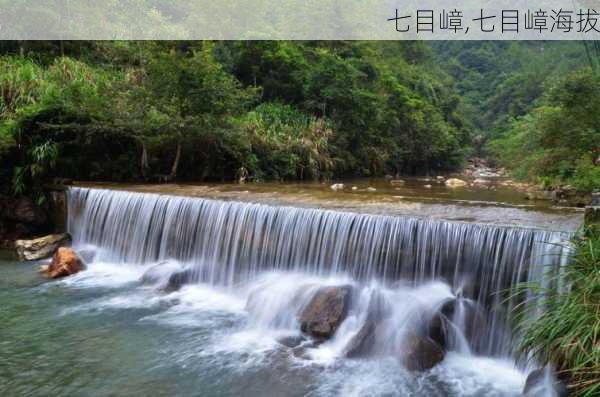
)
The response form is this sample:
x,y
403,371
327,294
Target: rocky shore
x,y
478,172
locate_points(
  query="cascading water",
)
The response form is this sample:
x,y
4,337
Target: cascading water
x,y
280,253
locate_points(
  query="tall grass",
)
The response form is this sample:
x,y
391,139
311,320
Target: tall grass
x,y
567,333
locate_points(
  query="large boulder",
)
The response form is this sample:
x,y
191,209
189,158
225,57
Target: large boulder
x,y
40,248
421,353
455,182
542,382
64,263
322,316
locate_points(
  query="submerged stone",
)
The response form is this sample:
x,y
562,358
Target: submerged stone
x,y
455,182
160,274
325,311
292,341
179,279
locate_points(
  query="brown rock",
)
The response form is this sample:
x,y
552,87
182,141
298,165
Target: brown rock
x,y
421,353
64,263
326,311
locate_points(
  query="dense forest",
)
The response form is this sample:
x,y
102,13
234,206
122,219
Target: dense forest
x,y
534,107
280,110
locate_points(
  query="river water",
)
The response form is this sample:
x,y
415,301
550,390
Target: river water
x,y
103,332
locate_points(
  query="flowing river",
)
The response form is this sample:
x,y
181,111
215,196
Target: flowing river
x,y
250,267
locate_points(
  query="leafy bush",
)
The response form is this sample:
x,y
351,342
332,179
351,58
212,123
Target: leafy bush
x,y
287,144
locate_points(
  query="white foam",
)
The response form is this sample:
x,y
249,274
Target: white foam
x,y
198,305
105,275
471,375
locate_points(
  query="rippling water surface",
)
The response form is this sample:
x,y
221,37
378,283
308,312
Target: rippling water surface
x,y
103,333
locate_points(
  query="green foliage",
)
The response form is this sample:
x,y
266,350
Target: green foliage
x,y
587,174
40,106
557,142
567,333
502,80
201,110
286,144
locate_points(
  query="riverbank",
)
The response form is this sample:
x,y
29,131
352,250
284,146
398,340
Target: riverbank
x,y
479,172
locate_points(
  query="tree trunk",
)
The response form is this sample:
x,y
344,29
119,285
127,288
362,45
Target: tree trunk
x,y
144,161
173,173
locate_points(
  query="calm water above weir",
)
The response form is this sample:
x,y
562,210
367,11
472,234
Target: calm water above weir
x,y
491,203
251,268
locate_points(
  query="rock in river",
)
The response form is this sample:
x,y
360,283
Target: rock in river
x,y
420,353
325,312
40,248
455,182
179,279
64,263
362,343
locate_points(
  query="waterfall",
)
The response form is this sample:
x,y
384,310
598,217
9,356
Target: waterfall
x,y
229,243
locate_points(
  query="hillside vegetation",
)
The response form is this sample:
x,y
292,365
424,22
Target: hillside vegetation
x,y
131,111
278,110
534,107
